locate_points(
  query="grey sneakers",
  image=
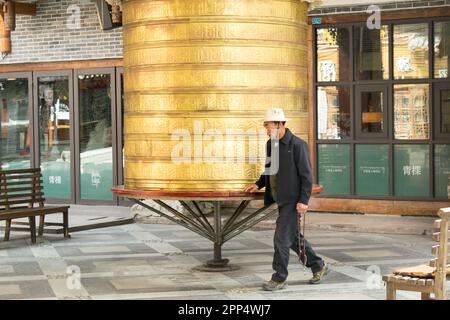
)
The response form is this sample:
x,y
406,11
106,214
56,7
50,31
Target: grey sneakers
x,y
318,276
274,285
316,279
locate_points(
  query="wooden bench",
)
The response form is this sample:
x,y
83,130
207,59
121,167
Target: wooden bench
x,y
427,279
22,196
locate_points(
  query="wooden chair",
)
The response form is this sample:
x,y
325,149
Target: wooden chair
x,y
22,196
427,279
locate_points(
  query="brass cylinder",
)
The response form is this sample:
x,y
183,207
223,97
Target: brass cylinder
x,y
198,77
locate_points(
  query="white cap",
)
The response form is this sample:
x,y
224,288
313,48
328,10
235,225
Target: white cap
x,y
275,114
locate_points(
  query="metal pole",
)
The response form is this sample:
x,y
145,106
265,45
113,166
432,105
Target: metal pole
x,y
217,231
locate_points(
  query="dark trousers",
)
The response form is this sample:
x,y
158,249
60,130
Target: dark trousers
x,y
286,238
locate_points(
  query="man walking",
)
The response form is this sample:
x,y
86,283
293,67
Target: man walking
x,y
289,185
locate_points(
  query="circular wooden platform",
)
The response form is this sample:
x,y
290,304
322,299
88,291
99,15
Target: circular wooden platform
x,y
121,191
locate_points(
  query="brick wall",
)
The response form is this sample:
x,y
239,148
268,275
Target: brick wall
x,y
326,10
46,37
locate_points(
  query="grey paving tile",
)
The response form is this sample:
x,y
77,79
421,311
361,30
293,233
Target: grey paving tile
x,y
25,290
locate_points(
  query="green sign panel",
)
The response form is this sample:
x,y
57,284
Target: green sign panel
x,y
56,177
372,170
412,170
334,168
441,169
96,174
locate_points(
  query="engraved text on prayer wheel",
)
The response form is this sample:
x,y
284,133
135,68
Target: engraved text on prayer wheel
x,y
198,77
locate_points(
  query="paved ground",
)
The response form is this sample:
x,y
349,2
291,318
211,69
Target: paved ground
x,y
155,261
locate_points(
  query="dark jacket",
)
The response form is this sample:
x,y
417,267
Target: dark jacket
x,y
294,181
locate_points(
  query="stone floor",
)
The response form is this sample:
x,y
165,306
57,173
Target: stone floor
x,y
155,261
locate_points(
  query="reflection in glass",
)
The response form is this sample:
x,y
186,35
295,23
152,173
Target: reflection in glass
x,y
96,166
54,135
411,120
371,53
333,54
333,112
441,169
334,168
372,169
411,51
445,111
372,112
441,49
14,124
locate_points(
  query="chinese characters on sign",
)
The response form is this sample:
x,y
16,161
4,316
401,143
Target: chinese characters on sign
x,y
55,179
95,179
412,170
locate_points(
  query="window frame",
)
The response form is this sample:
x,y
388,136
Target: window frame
x,y
390,140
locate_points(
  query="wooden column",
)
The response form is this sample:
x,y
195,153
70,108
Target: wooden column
x,y
5,36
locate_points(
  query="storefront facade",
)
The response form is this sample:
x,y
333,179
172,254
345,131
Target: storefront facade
x,y
379,126
61,102
381,109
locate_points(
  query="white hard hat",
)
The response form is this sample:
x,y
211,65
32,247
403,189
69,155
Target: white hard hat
x,y
275,114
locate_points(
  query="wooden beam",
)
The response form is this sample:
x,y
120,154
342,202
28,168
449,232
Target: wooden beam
x,y
368,206
385,15
28,9
61,65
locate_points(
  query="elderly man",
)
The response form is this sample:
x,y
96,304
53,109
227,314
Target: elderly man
x,y
290,186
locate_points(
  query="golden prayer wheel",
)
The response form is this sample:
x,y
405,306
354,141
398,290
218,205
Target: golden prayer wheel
x,y
198,77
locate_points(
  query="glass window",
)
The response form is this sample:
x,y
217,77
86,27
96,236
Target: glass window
x,y
372,109
372,169
412,170
445,111
14,124
411,51
54,135
333,112
441,169
333,54
371,53
96,158
334,168
441,49
411,111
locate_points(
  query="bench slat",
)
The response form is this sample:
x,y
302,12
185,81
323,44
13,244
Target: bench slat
x,y
437,224
34,195
23,213
413,280
20,176
20,171
436,236
433,262
435,249
4,203
429,282
32,188
13,183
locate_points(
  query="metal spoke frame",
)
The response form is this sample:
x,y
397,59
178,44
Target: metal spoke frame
x,y
216,231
